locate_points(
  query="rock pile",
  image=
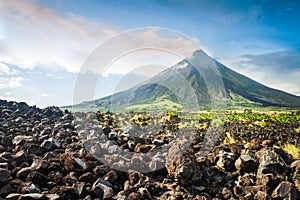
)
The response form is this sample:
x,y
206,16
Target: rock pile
x,y
43,156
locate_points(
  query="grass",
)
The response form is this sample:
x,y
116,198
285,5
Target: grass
x,y
78,119
293,150
261,123
228,139
159,106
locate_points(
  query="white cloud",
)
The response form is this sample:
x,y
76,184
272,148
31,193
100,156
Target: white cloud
x,y
7,98
2,85
285,78
44,95
8,93
52,40
149,46
11,82
146,63
15,82
182,65
50,75
5,70
289,82
48,38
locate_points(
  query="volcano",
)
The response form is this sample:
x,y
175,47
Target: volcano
x,y
190,82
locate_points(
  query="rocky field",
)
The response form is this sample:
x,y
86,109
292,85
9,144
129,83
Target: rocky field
x,y
53,154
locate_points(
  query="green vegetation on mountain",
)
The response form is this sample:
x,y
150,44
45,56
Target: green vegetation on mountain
x,y
182,86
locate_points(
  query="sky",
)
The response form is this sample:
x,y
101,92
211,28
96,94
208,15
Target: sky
x,y
44,44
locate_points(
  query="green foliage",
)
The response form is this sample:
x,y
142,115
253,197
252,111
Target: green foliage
x,y
247,111
284,117
229,139
79,119
261,123
257,118
293,150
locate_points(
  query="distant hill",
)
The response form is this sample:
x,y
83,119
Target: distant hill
x,y
240,91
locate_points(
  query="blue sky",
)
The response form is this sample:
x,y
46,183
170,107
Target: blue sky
x,y
43,44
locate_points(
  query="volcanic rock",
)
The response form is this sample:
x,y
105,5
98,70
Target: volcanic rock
x,y
295,166
33,196
102,189
48,154
30,188
286,190
5,175
226,160
260,195
270,162
24,172
185,169
246,163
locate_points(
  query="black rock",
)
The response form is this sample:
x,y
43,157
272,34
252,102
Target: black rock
x,y
286,190
5,175
246,163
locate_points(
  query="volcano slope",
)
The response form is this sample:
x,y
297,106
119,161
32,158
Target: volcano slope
x,y
175,86
43,156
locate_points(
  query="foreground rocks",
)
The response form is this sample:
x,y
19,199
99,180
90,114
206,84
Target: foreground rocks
x,y
43,156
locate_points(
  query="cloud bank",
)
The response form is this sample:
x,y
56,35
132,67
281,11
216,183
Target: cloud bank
x,y
36,35
280,69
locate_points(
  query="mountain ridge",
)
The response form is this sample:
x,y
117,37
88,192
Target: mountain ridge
x,y
165,87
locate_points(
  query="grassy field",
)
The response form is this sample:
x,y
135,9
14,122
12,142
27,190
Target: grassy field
x,y
282,127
